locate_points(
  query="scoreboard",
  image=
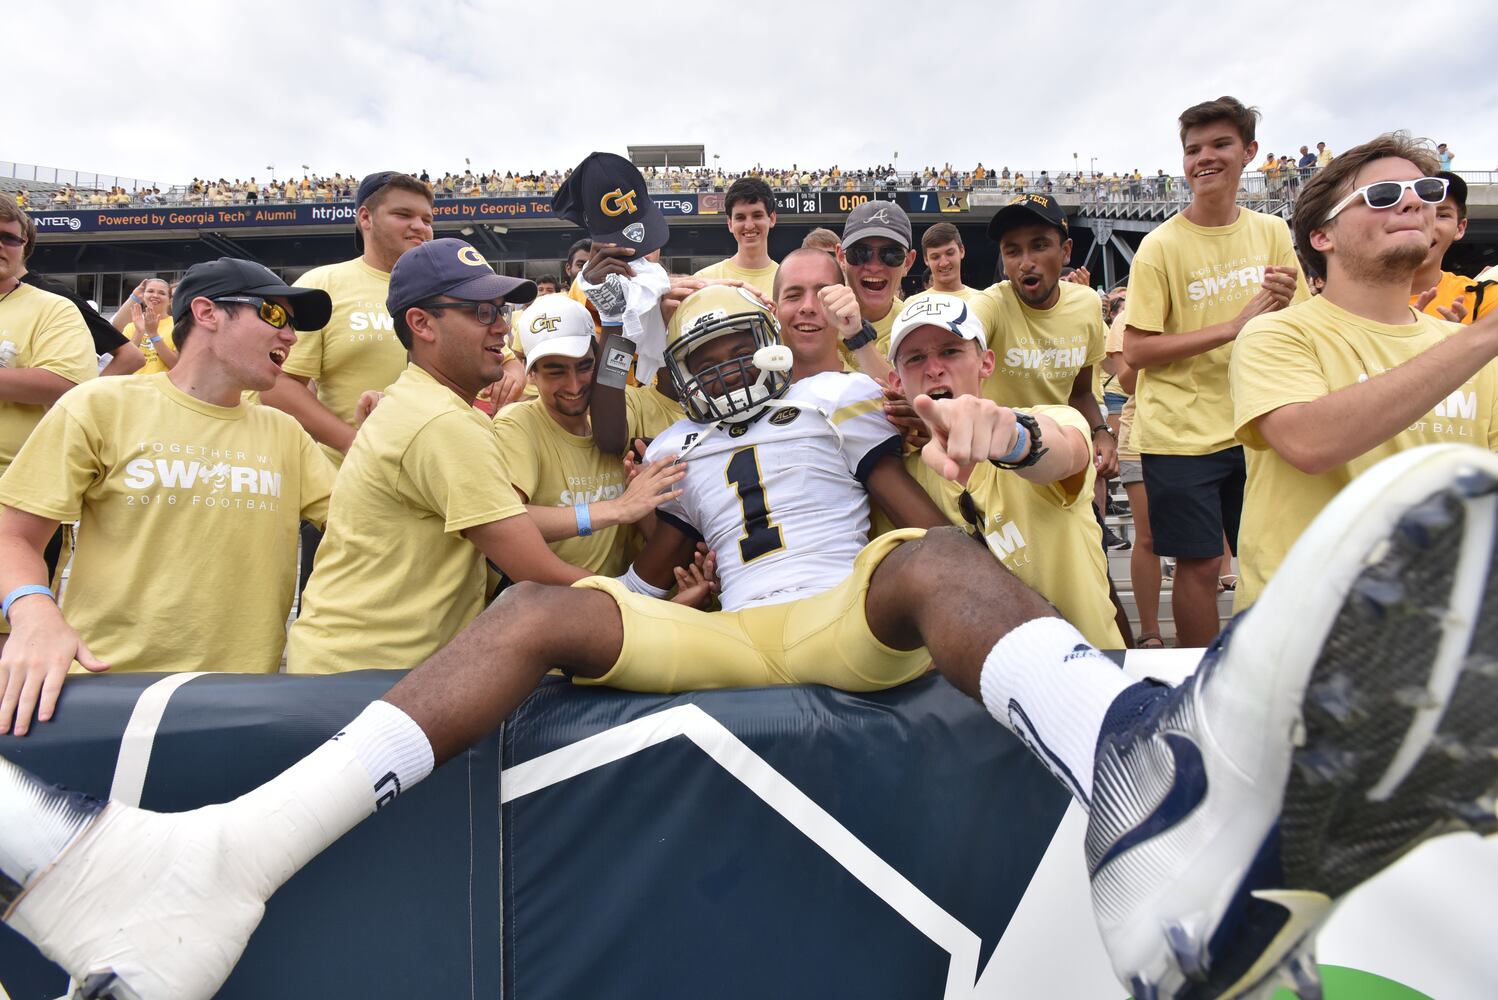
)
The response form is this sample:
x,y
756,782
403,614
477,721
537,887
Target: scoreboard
x,y
843,202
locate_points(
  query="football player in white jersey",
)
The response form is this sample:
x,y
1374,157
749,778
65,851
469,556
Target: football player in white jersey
x,y
1226,815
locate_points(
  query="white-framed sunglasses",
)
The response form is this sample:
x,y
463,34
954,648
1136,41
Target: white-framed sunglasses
x,y
1387,194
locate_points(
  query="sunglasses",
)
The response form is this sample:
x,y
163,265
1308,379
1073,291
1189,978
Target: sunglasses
x,y
861,253
486,313
12,240
273,313
1387,194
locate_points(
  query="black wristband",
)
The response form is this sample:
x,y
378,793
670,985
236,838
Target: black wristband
x,y
866,335
1036,448
1105,429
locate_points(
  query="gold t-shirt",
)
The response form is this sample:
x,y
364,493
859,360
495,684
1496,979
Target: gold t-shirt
x,y
1038,352
394,578
187,544
883,326
762,278
358,350
552,467
39,330
1113,344
1047,538
154,365
1301,354
1187,277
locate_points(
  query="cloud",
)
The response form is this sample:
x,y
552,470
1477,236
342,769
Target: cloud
x,y
171,90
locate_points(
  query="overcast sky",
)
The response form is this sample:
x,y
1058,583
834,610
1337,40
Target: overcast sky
x,y
170,90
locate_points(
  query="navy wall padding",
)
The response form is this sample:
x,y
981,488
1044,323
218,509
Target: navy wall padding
x,y
657,875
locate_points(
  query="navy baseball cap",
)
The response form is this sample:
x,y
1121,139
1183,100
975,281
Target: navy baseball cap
x,y
607,196
215,279
453,268
372,183
1026,210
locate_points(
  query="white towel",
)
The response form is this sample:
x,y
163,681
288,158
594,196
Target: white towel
x,y
643,322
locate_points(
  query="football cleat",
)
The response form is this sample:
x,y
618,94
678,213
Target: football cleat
x,y
1348,716
142,905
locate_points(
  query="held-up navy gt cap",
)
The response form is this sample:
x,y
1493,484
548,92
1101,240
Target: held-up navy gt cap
x,y
310,307
452,268
606,195
1026,210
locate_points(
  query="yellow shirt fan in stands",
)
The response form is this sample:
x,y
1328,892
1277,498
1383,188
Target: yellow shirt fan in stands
x,y
187,546
394,578
39,330
154,365
1301,354
553,467
358,350
1187,277
1038,352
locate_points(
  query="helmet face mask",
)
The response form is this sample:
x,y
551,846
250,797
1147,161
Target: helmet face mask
x,y
731,390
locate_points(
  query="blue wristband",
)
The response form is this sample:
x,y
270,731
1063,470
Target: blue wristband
x,y
584,520
25,590
1021,446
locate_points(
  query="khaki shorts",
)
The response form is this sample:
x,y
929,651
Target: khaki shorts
x,y
824,639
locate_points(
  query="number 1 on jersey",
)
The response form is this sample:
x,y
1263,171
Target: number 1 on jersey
x,y
761,535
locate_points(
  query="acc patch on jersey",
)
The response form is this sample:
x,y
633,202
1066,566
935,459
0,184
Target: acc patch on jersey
x,y
784,415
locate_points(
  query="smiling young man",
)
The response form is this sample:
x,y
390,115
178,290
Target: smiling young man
x,y
1328,388
1435,291
819,317
1034,513
579,497
1194,283
875,255
423,495
188,500
750,209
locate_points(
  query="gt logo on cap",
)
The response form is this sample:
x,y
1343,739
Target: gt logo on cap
x,y
616,202
545,324
471,257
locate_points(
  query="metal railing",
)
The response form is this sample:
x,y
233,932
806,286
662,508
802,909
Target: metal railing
x,y
78,179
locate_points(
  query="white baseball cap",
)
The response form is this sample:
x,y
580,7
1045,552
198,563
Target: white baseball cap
x,y
554,324
937,309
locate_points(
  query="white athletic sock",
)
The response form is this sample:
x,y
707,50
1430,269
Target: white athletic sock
x,y
1052,688
392,748
300,812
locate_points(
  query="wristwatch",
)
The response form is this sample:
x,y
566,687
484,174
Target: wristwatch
x,y
1037,450
864,337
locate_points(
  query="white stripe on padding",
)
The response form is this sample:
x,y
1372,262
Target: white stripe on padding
x,y
735,757
139,736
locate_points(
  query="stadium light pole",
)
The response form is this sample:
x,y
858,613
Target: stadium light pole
x,y
272,168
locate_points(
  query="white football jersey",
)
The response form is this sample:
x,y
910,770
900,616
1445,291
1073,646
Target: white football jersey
x,y
780,498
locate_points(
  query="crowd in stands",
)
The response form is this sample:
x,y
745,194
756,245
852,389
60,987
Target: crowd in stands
x,y
1275,174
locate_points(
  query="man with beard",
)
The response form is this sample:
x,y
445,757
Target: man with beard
x,y
1326,389
1196,280
1050,332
